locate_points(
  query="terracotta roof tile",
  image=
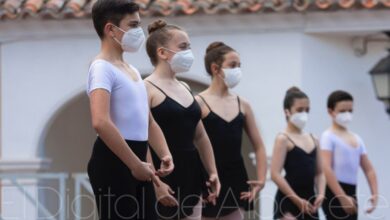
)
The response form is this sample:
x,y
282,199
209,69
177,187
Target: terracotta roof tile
x,y
61,9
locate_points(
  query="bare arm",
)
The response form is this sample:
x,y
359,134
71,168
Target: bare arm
x,y
370,174
329,174
206,154
162,190
205,149
102,123
149,159
257,143
157,139
320,176
320,181
347,202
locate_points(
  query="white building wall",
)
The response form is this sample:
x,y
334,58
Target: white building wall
x,y
329,64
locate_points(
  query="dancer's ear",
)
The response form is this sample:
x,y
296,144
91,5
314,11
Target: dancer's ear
x,y
215,69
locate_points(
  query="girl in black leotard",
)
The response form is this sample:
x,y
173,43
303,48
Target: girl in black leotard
x,y
301,190
179,116
225,115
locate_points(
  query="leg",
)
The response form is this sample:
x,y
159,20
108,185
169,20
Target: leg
x,y
288,216
197,213
236,215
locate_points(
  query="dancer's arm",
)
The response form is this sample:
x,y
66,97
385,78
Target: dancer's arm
x,y
348,203
163,191
158,143
370,174
206,154
320,180
258,146
108,132
156,137
203,144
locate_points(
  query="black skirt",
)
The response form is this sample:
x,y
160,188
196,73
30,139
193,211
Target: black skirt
x,y
186,180
118,194
332,207
283,205
233,178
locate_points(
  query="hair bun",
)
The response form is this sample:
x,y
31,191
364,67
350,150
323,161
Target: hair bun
x,y
293,90
156,25
215,45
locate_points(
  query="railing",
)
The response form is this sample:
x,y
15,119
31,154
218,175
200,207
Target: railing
x,y
60,177
80,181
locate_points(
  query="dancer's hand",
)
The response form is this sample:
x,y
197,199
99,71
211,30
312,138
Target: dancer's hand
x,y
166,166
255,186
304,206
348,203
164,195
374,201
144,172
318,202
215,186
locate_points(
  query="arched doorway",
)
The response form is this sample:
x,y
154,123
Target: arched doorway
x,y
68,143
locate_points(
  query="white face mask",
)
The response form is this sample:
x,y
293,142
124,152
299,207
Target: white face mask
x,y
299,119
132,39
232,76
343,119
182,61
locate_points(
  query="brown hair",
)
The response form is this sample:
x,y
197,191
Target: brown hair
x,y
159,35
292,94
338,96
215,53
104,11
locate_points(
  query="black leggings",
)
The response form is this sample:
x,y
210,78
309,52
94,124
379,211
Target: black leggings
x,y
332,207
118,194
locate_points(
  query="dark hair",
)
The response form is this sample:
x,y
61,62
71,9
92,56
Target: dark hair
x,y
159,35
104,11
338,96
292,94
215,53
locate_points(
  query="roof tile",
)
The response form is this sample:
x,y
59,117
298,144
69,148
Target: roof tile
x,y
62,9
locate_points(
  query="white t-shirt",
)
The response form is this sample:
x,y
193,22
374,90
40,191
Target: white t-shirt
x,y
345,158
129,109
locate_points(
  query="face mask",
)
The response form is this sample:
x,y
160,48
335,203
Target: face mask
x,y
232,76
299,119
132,39
182,61
343,119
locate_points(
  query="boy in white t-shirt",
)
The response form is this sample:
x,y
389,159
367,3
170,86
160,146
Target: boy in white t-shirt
x,y
120,177
343,154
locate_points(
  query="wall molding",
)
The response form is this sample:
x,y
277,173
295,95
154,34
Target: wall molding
x,y
24,165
